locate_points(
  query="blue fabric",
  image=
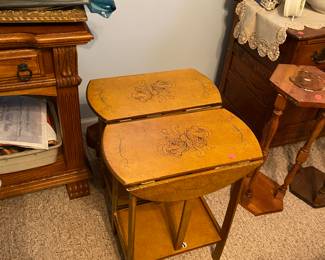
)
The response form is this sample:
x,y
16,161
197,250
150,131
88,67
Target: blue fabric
x,y
102,7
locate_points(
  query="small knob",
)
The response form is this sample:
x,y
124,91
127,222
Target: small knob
x,y
319,57
23,72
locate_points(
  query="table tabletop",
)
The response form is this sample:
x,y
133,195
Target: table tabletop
x,y
304,85
135,151
146,94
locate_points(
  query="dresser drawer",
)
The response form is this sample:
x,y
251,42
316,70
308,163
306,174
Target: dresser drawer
x,y
252,75
244,103
27,70
22,65
311,54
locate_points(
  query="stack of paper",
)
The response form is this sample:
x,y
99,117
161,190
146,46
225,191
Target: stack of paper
x,y
23,122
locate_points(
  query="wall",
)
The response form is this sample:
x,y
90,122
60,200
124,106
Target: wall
x,y
154,35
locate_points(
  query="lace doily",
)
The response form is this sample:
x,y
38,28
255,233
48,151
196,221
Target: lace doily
x,y
266,30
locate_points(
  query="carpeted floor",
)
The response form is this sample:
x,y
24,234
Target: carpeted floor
x,y
47,225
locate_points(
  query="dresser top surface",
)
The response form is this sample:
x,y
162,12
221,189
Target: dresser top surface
x,y
307,33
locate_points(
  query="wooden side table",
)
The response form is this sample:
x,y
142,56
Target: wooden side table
x,y
304,87
49,52
172,161
131,97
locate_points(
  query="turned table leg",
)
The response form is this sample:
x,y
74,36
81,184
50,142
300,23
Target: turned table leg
x,y
269,131
301,156
258,191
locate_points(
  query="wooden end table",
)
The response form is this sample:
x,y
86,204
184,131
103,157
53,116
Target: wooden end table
x,y
304,87
172,161
131,97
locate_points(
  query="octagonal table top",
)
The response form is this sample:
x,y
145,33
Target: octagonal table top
x,y
304,85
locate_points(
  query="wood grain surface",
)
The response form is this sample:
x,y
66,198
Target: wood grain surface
x,y
140,95
301,97
246,90
157,223
194,185
43,35
183,143
53,63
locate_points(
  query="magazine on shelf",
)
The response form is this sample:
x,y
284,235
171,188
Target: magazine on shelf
x,y
23,122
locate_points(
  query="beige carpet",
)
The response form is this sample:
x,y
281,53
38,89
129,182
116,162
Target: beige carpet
x,y
46,225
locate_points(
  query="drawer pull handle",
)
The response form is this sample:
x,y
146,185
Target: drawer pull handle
x,y
23,72
319,58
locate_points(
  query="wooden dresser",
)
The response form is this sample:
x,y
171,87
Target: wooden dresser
x,y
247,92
41,59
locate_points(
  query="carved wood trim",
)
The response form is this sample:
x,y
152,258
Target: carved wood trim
x,y
60,178
37,15
66,66
78,189
301,156
51,77
69,114
36,82
67,78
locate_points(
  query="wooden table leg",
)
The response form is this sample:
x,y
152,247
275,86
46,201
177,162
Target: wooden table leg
x,y
185,219
257,196
114,200
92,136
302,156
229,217
131,226
102,166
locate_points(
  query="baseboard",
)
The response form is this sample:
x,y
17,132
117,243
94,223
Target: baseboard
x,y
86,121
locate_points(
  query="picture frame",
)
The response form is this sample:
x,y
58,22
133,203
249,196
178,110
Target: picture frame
x,y
269,5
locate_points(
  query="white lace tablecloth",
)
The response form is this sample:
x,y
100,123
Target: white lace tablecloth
x,y
266,30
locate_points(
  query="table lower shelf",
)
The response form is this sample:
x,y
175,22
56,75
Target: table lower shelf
x,y
156,226
263,200
307,185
